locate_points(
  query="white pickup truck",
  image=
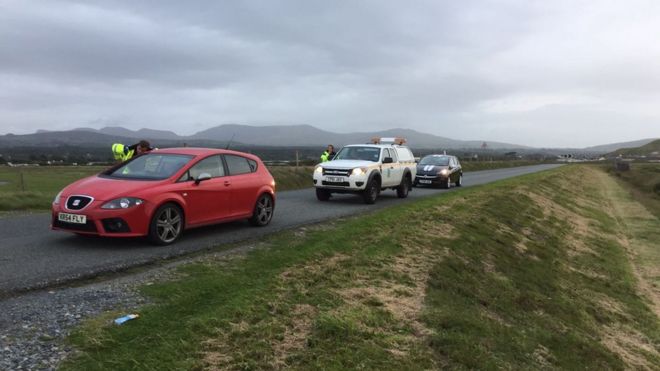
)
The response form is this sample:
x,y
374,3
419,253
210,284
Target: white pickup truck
x,y
367,169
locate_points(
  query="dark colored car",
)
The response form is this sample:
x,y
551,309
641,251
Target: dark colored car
x,y
439,170
162,193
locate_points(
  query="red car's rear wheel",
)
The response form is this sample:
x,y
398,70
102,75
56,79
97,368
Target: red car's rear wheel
x,y
263,211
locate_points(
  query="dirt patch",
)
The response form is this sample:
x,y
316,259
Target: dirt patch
x,y
295,335
315,267
543,357
628,344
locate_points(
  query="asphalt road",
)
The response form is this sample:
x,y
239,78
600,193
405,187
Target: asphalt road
x,y
33,256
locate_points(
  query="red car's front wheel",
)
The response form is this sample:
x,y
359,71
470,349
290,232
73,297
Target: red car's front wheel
x,y
166,225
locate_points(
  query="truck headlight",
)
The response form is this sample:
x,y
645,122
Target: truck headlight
x,y
318,170
359,171
122,203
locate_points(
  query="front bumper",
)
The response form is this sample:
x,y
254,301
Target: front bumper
x,y
351,183
131,222
431,180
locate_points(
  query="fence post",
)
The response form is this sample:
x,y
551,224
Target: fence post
x,y
21,180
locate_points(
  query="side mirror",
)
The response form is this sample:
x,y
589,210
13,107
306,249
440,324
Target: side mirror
x,y
388,160
202,177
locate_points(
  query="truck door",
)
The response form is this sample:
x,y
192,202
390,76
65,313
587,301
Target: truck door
x,y
397,171
388,169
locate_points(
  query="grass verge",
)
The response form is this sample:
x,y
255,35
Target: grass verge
x,y
526,273
643,181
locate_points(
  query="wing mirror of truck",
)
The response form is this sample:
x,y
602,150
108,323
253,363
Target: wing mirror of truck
x,y
388,160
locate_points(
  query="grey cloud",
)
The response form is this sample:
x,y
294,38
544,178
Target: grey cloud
x,y
498,70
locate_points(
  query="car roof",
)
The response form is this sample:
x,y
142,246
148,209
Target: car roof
x,y
439,156
389,145
193,151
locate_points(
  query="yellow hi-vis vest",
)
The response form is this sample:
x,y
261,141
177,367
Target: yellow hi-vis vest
x,y
122,152
325,156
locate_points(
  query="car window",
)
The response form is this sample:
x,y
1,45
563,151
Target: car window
x,y
435,160
359,153
210,165
240,165
151,166
393,154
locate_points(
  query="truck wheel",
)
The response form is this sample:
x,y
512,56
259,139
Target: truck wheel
x,y
403,188
322,194
371,191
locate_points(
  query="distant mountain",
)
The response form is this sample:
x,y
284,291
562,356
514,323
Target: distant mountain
x,y
119,131
644,150
605,148
272,136
307,135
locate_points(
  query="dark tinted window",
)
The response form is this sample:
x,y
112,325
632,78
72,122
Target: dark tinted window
x,y
151,166
435,160
240,165
210,165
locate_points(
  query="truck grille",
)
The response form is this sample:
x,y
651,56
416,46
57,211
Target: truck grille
x,y
337,172
336,184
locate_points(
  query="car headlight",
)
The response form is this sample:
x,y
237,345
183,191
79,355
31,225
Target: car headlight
x,y
56,201
122,203
359,171
318,170
443,172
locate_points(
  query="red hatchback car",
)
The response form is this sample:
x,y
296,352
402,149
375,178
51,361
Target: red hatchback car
x,y
161,193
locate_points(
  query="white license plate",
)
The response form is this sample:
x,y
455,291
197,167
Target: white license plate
x,y
424,181
72,218
336,179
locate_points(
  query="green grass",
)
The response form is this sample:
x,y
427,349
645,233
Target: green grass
x,y
498,276
498,164
644,150
643,180
33,188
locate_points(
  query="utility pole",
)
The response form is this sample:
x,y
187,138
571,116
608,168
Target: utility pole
x,y
297,162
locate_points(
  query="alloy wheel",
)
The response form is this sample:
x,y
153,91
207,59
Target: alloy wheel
x,y
168,224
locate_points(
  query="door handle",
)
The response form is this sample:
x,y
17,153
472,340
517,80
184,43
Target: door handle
x,y
227,183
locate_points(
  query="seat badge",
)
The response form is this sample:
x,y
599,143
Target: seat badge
x,y
76,202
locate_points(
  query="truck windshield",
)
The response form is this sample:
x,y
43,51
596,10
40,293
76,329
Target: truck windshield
x,y
435,160
359,153
149,167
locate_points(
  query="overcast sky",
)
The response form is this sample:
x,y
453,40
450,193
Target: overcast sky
x,y
541,73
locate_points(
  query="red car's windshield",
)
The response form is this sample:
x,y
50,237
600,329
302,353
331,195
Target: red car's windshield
x,y
152,166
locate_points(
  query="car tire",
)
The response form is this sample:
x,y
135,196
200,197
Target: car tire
x,y
322,194
371,192
403,188
459,182
263,211
166,224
